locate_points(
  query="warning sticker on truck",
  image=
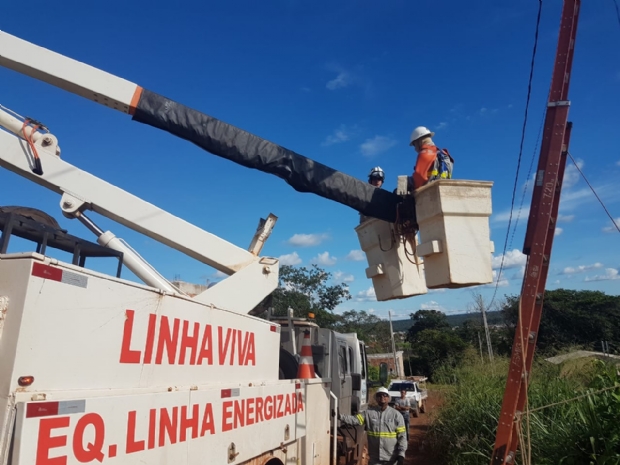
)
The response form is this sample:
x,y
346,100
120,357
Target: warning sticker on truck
x,y
182,427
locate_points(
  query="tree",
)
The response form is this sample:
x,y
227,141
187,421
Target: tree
x,y
570,318
435,348
427,319
371,329
307,290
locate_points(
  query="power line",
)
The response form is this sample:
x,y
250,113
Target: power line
x,y
617,11
594,192
527,106
529,172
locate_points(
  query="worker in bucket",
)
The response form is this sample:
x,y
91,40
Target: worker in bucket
x,y
376,178
403,405
432,163
385,428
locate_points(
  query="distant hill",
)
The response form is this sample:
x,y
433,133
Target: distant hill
x,y
493,318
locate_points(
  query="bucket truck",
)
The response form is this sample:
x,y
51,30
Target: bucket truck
x,y
97,368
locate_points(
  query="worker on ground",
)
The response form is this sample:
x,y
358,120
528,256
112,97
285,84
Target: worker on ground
x,y
403,405
432,163
376,178
385,429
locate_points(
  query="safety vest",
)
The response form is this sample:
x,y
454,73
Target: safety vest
x,y
442,167
385,430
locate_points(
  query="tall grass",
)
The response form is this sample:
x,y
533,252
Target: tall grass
x,y
580,432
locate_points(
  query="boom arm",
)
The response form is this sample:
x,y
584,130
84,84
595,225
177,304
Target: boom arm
x,y
121,206
258,276
214,136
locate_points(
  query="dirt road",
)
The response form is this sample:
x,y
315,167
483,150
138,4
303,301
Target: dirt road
x,y
417,454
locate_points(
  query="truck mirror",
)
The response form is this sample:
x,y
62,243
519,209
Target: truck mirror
x,y
383,373
356,381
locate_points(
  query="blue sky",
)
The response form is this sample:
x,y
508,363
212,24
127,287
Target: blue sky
x,y
343,83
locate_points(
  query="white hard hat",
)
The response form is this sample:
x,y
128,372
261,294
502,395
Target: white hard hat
x,y
418,132
376,172
382,390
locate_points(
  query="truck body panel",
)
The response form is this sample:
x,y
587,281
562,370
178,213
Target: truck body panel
x,y
123,373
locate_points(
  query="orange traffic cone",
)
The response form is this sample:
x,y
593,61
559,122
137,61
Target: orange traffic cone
x,y
306,363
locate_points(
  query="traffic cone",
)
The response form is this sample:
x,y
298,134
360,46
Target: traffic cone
x,y
306,363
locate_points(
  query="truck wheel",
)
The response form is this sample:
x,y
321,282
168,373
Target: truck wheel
x,y
288,365
423,407
416,412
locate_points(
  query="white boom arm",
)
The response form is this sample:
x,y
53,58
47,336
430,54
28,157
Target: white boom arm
x,y
257,276
68,74
123,207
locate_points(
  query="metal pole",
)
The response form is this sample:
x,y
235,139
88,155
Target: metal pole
x,y
539,237
396,367
486,329
335,428
289,315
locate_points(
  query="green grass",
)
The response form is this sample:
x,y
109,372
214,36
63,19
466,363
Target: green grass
x,y
585,431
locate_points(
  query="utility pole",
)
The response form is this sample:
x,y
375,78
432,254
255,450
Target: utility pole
x,y
480,342
486,329
396,367
605,346
539,238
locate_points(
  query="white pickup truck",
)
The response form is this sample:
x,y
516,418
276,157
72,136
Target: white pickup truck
x,y
415,394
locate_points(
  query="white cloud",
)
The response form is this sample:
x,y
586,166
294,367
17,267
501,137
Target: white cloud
x,y
504,216
512,259
565,218
571,175
432,305
558,231
618,163
355,256
290,259
442,125
342,134
343,79
502,281
612,228
611,274
499,282
324,259
220,275
519,274
342,277
574,199
307,240
366,296
581,268
377,145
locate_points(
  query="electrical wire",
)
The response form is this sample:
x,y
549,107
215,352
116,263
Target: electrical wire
x,y
529,173
594,192
617,11
516,183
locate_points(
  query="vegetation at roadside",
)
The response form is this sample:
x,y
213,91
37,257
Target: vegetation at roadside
x,y
457,360
583,431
